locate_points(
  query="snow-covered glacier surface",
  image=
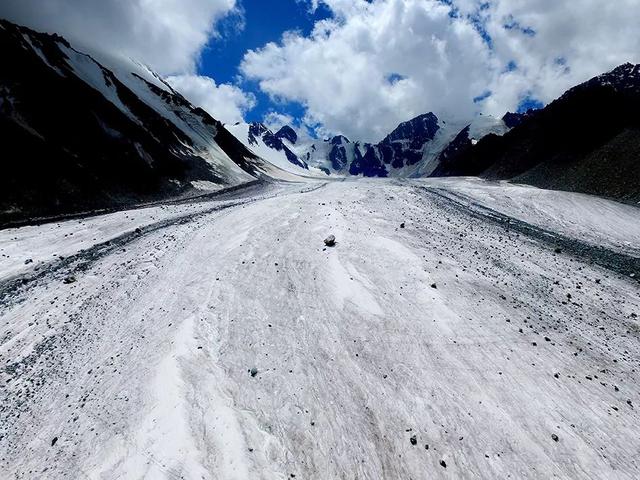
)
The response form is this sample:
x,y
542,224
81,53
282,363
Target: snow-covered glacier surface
x,y
488,337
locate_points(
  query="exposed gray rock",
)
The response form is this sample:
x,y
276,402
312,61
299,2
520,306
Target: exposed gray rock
x,y
330,241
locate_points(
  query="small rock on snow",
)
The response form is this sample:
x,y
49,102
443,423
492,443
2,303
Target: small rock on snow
x,y
330,241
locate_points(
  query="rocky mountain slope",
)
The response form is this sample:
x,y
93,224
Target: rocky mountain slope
x,y
587,141
78,135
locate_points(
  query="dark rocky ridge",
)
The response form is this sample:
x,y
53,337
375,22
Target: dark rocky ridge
x,y
512,119
67,148
587,141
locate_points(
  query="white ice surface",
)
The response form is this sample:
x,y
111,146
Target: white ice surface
x,y
42,244
140,368
594,219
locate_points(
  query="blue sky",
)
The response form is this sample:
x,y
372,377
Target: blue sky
x,y
222,57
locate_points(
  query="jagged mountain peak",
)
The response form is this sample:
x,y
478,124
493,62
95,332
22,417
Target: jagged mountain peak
x,y
417,130
287,133
623,75
339,140
257,129
270,146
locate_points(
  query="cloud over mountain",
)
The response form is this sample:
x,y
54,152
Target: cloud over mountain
x,y
228,102
167,35
378,62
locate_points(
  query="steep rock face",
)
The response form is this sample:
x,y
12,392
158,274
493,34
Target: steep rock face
x,y
339,140
76,136
369,164
586,134
338,154
404,146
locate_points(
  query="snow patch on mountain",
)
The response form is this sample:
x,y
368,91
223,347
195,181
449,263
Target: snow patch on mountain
x,y
94,74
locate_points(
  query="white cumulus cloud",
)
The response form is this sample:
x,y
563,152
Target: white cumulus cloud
x,y
168,35
568,43
377,63
226,103
276,120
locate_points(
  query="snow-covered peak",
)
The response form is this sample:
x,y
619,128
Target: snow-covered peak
x,y
275,149
339,140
